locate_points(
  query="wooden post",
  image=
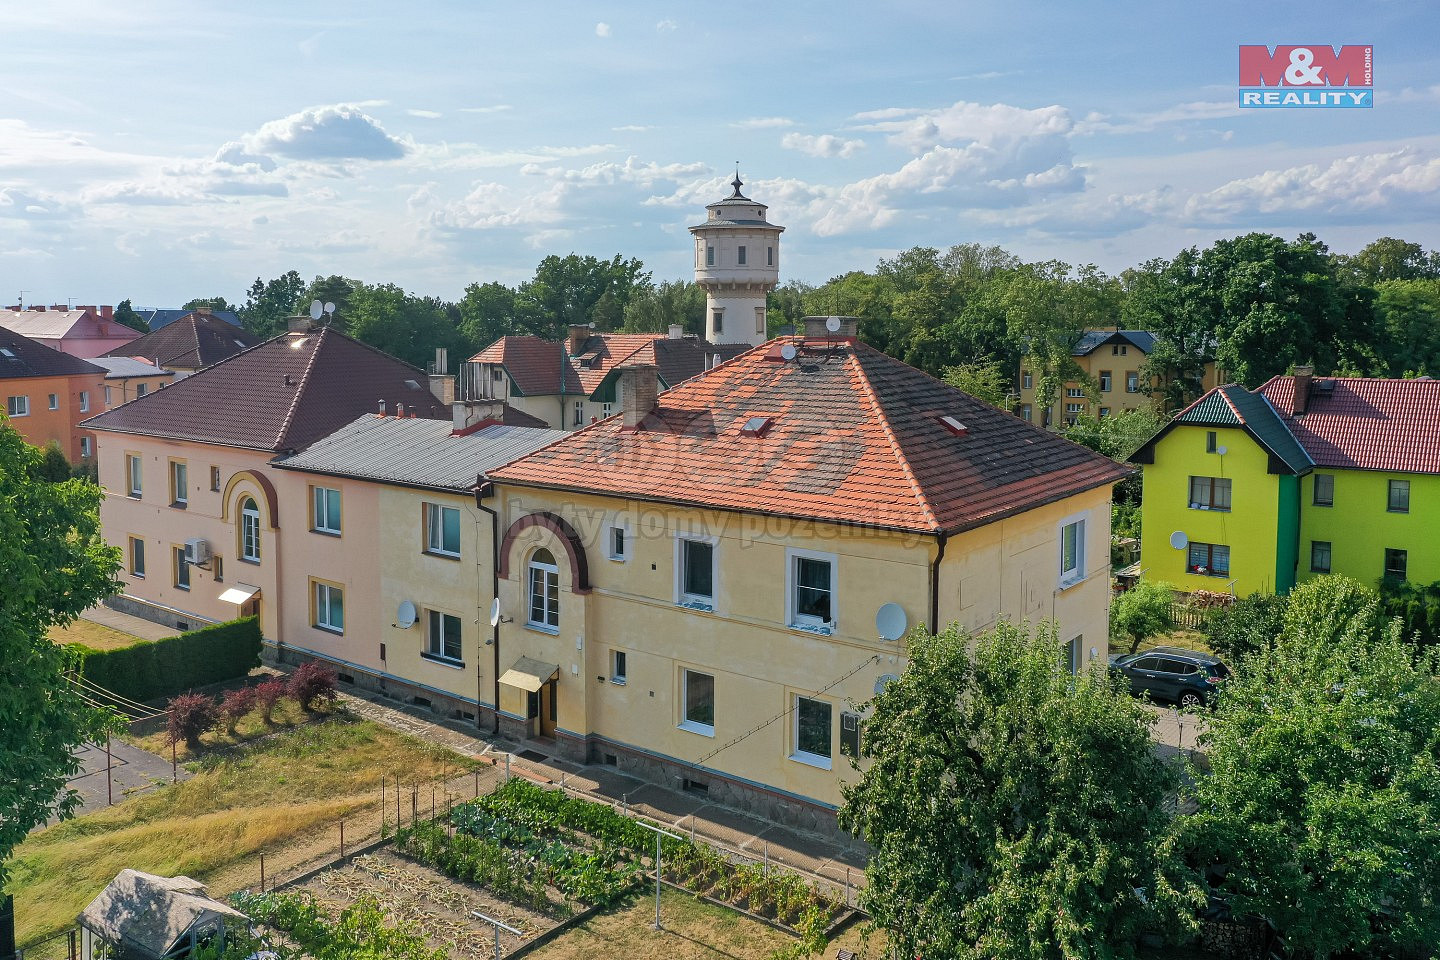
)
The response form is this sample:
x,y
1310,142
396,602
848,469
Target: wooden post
x,y
109,780
262,873
342,839
477,784
414,806
74,945
382,806
174,765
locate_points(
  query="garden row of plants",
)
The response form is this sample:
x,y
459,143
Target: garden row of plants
x,y
189,715
360,932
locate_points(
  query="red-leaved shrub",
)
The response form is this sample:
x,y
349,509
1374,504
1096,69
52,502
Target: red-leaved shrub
x,y
312,685
188,716
234,705
268,694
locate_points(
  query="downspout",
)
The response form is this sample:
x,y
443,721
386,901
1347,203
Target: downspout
x,y
942,538
484,490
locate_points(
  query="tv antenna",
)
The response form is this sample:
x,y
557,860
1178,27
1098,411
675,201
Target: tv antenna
x,y
317,309
22,299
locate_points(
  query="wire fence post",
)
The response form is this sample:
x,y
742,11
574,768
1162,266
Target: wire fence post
x,y
174,764
109,776
414,805
262,873
382,806
477,784
342,839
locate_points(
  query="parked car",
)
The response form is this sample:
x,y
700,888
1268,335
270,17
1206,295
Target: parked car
x,y
1172,674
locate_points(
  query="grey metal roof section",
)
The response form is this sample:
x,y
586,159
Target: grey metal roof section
x,y
1091,340
127,367
417,452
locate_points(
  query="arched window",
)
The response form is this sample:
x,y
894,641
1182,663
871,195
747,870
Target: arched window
x,y
544,586
249,530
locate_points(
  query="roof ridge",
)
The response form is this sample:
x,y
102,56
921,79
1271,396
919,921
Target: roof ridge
x,y
873,399
300,388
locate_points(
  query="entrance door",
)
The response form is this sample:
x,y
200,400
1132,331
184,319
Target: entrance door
x,y
548,711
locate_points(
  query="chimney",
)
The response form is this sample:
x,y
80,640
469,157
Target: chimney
x,y
639,388
576,337
300,323
1303,377
677,332
37,308
442,385
107,311
382,408
816,328
466,414
203,311
399,409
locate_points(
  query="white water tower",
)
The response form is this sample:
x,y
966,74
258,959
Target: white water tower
x,y
737,262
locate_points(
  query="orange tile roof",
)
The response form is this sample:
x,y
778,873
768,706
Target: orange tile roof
x,y
1365,423
536,365
856,438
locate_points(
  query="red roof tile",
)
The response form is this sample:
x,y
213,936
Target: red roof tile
x,y
856,438
195,340
1365,423
284,394
535,366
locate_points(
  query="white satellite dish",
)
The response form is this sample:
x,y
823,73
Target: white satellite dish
x,y
495,612
1222,450
316,308
1178,540
788,352
330,308
833,324
884,682
405,615
890,621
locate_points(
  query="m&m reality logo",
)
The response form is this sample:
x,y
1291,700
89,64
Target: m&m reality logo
x,y
1312,75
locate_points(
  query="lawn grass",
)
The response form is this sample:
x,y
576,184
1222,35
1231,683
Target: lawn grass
x,y
94,635
287,714
288,789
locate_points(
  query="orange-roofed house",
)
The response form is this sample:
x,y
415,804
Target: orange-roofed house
x,y
47,393
699,587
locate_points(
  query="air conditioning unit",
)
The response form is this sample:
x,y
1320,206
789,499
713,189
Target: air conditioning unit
x,y
197,551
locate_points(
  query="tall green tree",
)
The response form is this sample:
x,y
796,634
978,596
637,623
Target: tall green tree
x,y
487,313
53,564
1409,315
125,313
572,289
1324,787
332,289
1390,259
210,303
655,309
403,325
1013,809
269,303
1047,310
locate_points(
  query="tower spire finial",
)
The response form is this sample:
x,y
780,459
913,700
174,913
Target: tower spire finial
x,y
737,183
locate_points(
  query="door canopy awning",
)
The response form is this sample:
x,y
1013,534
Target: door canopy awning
x,y
530,675
239,593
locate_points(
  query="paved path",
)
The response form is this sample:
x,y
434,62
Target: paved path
x,y
132,771
125,623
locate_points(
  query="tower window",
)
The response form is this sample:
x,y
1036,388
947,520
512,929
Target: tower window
x,y
718,320
769,256
709,256
740,256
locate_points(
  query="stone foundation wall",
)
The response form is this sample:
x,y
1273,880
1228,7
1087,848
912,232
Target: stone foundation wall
x,y
155,613
441,705
1228,938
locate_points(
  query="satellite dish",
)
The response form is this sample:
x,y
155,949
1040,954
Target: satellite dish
x,y
788,352
495,612
884,682
316,308
833,324
405,616
1178,540
890,621
330,308
1222,450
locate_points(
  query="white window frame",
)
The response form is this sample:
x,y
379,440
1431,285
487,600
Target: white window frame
x,y
579,413
793,618
623,554
695,726
805,756
53,402
179,483
135,476
696,601
84,401
740,255
1073,574
1027,380
606,409
137,558
435,646
547,572
435,530
320,519
85,449
325,595
108,401
249,530
182,568
141,389
17,406
619,667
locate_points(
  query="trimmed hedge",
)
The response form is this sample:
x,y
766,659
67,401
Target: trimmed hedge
x,y
162,668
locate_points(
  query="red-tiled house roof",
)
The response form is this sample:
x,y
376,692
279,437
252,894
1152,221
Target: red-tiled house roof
x,y
195,340
854,437
1364,423
283,394
22,357
536,367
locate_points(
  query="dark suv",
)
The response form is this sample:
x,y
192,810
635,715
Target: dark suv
x,y
1172,674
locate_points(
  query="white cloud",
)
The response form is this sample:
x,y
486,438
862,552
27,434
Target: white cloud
x,y
632,128
1145,122
994,123
602,29
338,132
497,108
825,145
425,114
21,204
665,26
234,154
763,123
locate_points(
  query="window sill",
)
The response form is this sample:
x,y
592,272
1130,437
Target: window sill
x,y
617,559
253,563
819,629
132,495
543,628
328,629
181,587
618,681
708,606
1213,575
443,661
136,576
812,760
441,554
1402,512
326,533
179,504
705,730
1068,582
1201,506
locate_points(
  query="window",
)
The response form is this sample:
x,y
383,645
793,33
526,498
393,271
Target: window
x,y
1324,490
1027,413
812,732
1074,409
769,256
718,320
1027,380
544,591
1119,349
759,319
84,401
697,572
709,256
442,636
329,607
606,409
697,691
53,402
141,389
85,449
850,734
579,413
1105,381
137,558
215,478
182,569
218,565
1075,392
1209,493
1209,559
1072,552
1395,562
740,255
617,666
619,544
442,530
1319,556
249,530
135,475
1209,441
17,406
812,589
179,494
325,510
1399,501
108,400
1104,412
1132,382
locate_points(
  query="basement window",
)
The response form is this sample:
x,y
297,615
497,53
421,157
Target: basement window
x,y
953,425
756,426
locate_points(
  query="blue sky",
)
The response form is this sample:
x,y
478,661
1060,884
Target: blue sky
x,y
182,149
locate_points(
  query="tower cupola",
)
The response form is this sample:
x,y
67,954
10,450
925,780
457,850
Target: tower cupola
x,y
737,262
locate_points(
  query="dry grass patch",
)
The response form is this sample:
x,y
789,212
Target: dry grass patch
x,y
239,803
287,714
96,636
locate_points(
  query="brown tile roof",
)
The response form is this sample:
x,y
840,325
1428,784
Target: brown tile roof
x,y
283,394
195,340
856,437
22,357
535,366
1364,423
